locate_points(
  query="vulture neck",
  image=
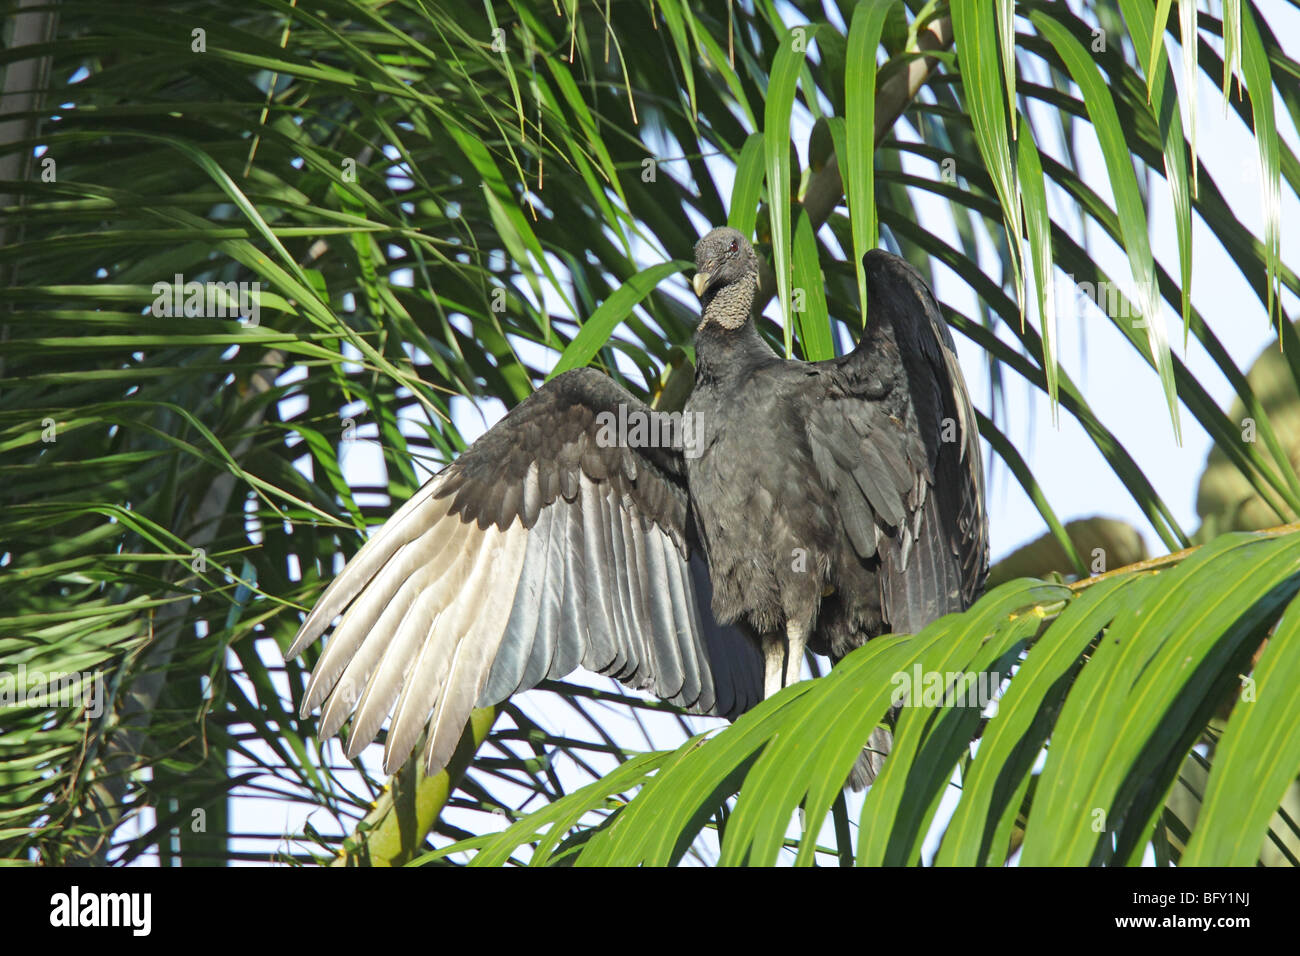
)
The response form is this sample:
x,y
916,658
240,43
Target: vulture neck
x,y
727,345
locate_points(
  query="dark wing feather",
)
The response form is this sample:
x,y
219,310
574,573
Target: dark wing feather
x,y
950,542
895,441
538,550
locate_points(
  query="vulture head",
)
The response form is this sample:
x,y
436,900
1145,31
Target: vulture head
x,y
723,257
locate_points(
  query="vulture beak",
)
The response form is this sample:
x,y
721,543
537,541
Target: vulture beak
x,y
700,283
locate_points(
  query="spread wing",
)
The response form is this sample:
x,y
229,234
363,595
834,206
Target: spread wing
x,y
546,546
896,441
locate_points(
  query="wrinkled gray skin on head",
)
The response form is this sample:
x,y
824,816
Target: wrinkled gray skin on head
x,y
723,257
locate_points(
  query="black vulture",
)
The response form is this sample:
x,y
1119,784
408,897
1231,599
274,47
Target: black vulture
x,y
790,505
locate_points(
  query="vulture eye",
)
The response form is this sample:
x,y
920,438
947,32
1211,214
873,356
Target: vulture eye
x,y
735,246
